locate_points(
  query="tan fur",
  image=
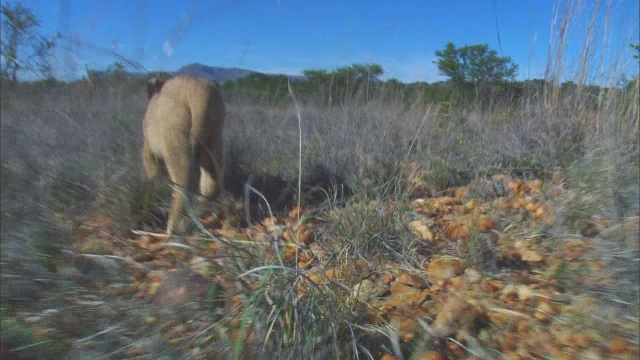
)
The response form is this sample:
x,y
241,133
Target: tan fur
x,y
183,129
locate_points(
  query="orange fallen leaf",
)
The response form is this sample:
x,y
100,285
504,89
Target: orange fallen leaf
x,y
407,327
387,279
414,280
418,203
403,296
430,355
574,249
456,231
524,189
211,221
294,213
445,267
155,276
544,312
290,254
456,314
485,223
143,257
305,235
516,204
470,205
525,293
502,203
134,350
523,327
549,219
461,192
531,256
421,230
535,186
388,357
445,201
305,259
514,185
618,346
510,355
531,207
316,277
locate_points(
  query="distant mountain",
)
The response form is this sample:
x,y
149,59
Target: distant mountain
x,y
216,73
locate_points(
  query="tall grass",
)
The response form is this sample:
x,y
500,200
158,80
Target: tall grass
x,y
73,149
605,176
66,148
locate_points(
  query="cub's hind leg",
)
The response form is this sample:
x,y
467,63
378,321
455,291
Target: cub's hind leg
x,y
211,171
182,170
151,163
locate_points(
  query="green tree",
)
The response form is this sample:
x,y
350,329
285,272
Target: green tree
x,y
475,65
115,72
631,85
259,87
392,89
319,84
344,83
368,76
23,48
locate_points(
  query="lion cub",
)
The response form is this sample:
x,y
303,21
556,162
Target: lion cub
x,y
182,129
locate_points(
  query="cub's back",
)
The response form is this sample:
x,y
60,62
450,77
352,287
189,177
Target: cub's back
x,y
183,88
183,109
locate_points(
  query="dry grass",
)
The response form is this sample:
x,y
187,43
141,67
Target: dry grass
x,y
73,149
92,164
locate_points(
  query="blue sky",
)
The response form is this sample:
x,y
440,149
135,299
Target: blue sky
x,y
287,36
